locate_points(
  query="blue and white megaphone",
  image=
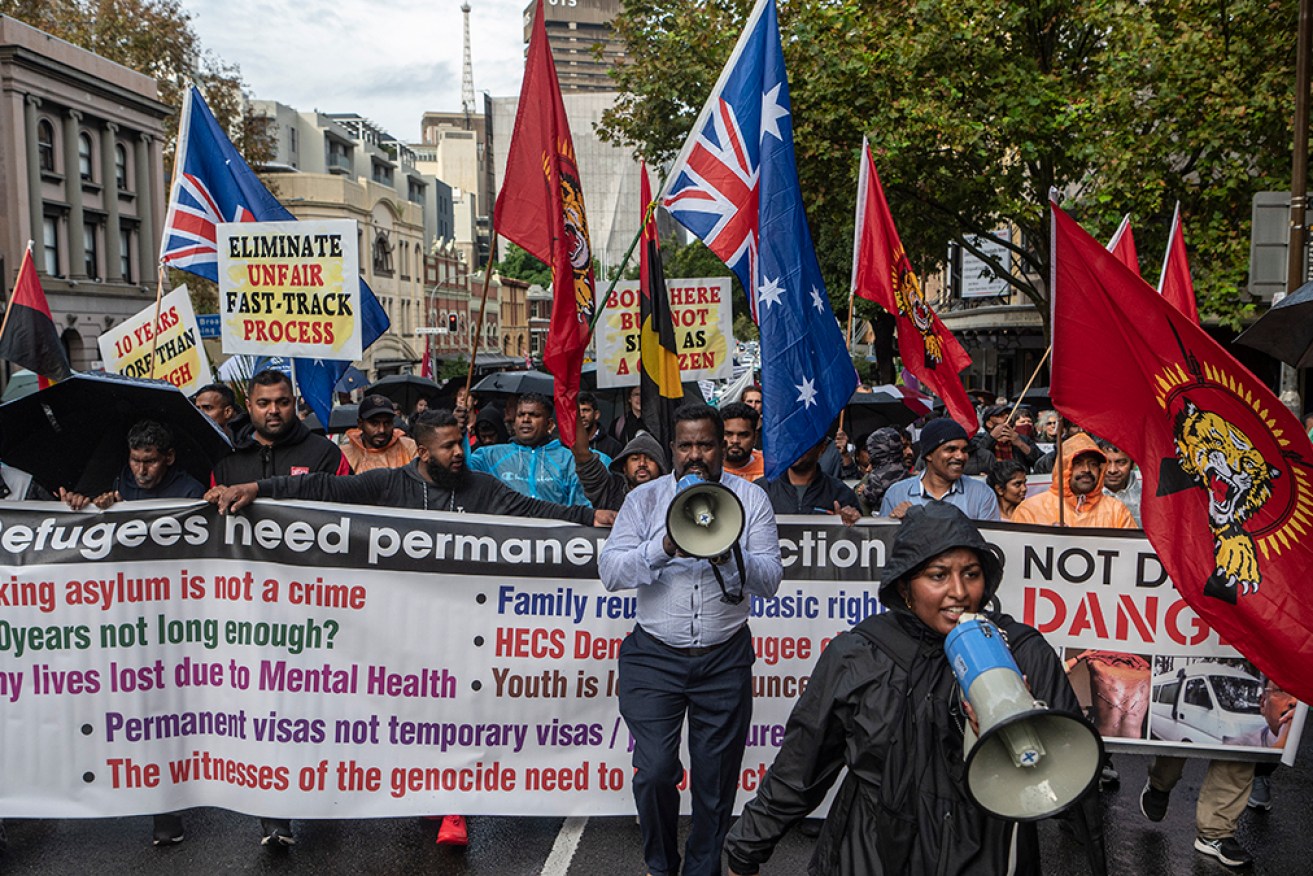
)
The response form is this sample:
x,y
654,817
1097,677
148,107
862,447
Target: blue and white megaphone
x,y
705,518
1030,761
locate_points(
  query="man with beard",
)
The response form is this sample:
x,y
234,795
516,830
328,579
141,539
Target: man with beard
x,y
690,654
276,442
640,461
437,480
534,463
944,450
376,442
1081,495
742,457
805,489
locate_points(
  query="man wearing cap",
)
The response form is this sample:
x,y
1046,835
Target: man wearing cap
x,y
944,450
1002,441
1081,494
376,442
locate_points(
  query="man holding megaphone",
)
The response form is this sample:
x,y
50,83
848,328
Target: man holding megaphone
x,y
693,545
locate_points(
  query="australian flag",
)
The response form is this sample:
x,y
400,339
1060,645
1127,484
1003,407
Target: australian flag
x,y
214,184
735,186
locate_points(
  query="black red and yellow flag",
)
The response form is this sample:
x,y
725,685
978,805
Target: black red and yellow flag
x,y
29,337
658,372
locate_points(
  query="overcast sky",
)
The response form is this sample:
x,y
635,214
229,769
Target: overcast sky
x,y
388,61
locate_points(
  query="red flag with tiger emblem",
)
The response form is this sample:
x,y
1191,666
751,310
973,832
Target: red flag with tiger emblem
x,y
1228,471
883,274
541,208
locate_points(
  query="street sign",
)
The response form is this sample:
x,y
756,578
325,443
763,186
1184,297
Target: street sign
x,y
208,323
431,330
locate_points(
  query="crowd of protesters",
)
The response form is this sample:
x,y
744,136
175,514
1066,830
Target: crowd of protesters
x,y
504,458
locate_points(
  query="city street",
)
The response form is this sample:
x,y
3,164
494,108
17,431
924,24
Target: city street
x,y
222,842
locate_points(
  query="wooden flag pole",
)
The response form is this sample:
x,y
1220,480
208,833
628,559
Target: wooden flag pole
x,y
155,323
478,324
1057,472
9,306
1031,382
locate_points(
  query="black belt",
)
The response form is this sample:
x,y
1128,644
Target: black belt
x,y
690,652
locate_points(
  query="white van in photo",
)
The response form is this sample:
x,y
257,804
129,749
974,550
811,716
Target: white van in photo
x,y
1204,703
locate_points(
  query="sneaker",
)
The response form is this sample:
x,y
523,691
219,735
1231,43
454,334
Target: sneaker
x,y
1153,803
276,833
1260,796
453,832
1227,850
168,829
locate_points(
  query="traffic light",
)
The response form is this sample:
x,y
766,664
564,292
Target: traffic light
x,y
451,323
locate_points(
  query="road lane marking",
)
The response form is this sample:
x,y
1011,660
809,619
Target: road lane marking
x,y
567,840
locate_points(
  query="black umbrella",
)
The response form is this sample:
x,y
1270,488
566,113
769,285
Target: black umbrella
x,y
404,389
1286,331
74,434
868,411
505,383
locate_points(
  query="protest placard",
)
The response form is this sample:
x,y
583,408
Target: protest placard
x,y
173,338
290,288
704,331
302,660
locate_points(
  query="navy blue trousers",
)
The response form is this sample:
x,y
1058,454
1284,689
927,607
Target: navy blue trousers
x,y
658,688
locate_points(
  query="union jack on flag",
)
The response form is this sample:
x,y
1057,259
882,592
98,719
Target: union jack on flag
x,y
214,184
735,185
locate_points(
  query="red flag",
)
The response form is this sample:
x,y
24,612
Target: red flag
x,y
1228,473
426,364
1122,245
541,208
1174,283
29,337
883,274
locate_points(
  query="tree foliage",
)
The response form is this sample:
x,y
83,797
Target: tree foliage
x,y
519,265
975,110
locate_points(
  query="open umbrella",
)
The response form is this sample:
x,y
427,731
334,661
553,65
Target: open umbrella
x,y
885,405
505,383
74,434
404,389
1286,331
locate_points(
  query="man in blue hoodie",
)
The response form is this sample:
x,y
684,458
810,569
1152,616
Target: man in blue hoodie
x,y
535,462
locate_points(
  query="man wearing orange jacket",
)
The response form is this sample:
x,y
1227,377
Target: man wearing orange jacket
x,y
1080,491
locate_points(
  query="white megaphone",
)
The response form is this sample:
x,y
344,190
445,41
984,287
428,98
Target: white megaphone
x,y
1030,762
705,519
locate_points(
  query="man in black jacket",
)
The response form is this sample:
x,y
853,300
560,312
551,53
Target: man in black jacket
x,y
276,443
150,472
805,489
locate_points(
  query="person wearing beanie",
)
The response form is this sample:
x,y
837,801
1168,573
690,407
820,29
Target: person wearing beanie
x,y
882,709
944,450
640,461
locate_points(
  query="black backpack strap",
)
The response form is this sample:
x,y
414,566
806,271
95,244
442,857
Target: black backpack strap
x,y
882,630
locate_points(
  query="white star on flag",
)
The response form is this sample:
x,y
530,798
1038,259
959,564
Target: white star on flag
x,y
807,392
816,299
771,113
769,293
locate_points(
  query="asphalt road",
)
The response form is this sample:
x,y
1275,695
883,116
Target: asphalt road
x,y
223,842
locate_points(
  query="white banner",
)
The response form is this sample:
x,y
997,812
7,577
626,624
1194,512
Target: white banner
x,y
173,339
321,661
704,331
290,288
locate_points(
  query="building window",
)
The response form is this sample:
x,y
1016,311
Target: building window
x,y
121,167
382,253
45,144
84,156
125,252
89,247
291,139
50,242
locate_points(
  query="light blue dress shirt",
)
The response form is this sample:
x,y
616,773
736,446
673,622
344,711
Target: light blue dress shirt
x,y
973,497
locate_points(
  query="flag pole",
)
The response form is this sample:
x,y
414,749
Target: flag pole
x,y
843,411
1057,471
9,306
155,324
624,262
483,305
1030,382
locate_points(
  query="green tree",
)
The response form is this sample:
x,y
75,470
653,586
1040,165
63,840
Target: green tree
x,y
519,265
975,110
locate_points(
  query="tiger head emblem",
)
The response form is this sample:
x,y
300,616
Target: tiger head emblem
x,y
912,304
577,244
1223,460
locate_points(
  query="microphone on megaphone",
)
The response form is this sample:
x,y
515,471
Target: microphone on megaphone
x,y
705,519
1030,762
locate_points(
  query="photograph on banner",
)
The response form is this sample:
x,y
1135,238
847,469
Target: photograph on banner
x,y
173,339
296,660
704,331
290,288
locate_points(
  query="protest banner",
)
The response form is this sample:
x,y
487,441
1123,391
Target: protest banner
x,y
704,331
290,288
173,338
321,661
